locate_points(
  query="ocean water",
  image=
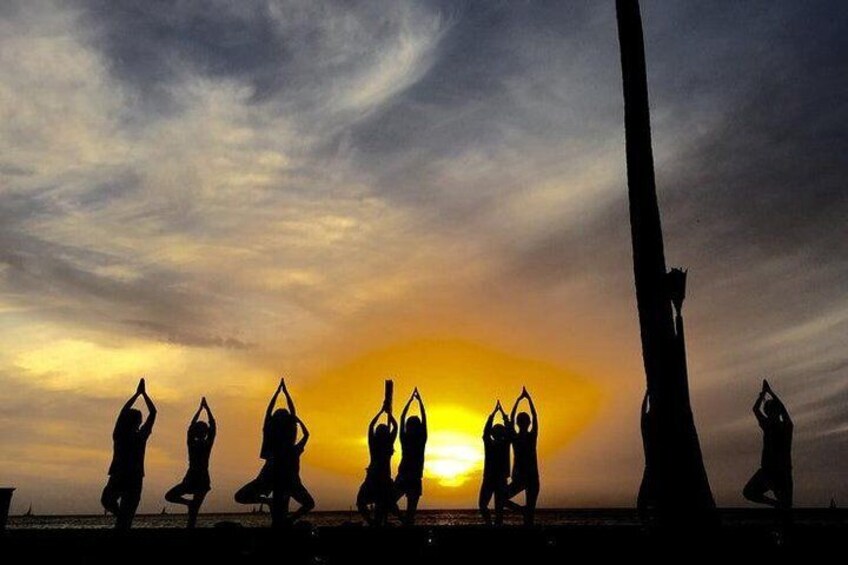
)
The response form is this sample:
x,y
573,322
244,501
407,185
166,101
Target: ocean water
x,y
423,518
545,517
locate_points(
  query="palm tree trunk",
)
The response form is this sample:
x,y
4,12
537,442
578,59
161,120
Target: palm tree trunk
x,y
682,484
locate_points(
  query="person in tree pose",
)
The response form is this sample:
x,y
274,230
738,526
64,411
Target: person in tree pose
x,y
775,472
376,495
126,473
496,443
279,480
196,484
413,439
525,466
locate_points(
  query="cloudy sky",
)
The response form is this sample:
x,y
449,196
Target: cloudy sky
x,y
213,194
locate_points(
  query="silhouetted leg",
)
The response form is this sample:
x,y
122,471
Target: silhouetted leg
x,y
756,489
257,491
532,495
500,501
128,505
783,494
109,498
411,507
399,493
512,490
194,508
177,495
279,510
300,495
486,493
363,500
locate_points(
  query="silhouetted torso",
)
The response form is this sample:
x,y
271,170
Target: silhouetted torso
x,y
525,468
496,464
287,461
199,450
381,458
777,446
266,452
412,458
128,454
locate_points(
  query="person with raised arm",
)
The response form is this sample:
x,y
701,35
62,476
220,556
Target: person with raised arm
x,y
525,466
775,472
126,473
496,442
375,498
196,483
413,439
275,484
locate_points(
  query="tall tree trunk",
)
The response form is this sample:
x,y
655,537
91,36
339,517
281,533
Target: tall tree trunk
x,y
681,480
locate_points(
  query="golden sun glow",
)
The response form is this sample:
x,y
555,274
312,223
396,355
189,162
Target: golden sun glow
x,y
453,458
460,383
454,449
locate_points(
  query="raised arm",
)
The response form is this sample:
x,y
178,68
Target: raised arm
x,y
197,414
487,429
373,425
515,406
758,408
289,400
305,434
393,427
273,402
213,425
151,408
535,429
403,414
127,405
423,413
784,413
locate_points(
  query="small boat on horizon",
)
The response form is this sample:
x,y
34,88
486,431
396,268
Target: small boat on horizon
x,y
28,513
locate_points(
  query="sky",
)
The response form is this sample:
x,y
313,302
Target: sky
x,y
215,194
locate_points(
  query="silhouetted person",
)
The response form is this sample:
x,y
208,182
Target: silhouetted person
x,y
413,439
496,444
279,480
648,489
126,473
525,465
775,473
199,439
377,490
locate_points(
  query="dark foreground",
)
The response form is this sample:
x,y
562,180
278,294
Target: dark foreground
x,y
232,544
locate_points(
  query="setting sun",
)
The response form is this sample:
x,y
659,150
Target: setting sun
x,y
459,383
454,455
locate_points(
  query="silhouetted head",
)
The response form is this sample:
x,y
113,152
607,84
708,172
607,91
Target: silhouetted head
x,y
414,428
128,421
381,433
499,432
771,410
280,416
523,421
198,431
